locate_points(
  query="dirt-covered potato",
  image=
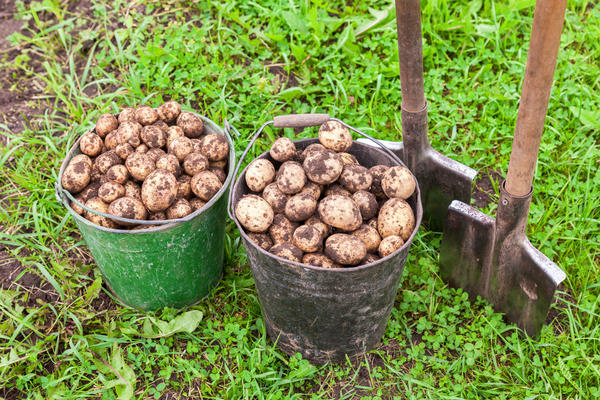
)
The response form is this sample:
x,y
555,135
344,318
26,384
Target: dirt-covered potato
x,y
106,160
197,203
282,229
290,177
254,213
348,158
117,173
398,182
262,240
127,114
355,177
283,149
181,148
196,144
205,185
191,124
370,258
319,260
106,123
220,173
129,132
367,203
76,207
159,190
123,150
157,216
322,227
288,251
338,190
184,187
127,207
155,153
77,174
340,212
153,136
139,165
323,167
146,115
134,190
111,140
377,172
311,148
389,245
307,238
312,189
162,125
195,163
90,191
142,148
110,191
335,136
345,249
396,218
275,197
96,203
369,236
218,164
91,144
169,111
215,147
300,207
170,163
259,174
173,133
179,209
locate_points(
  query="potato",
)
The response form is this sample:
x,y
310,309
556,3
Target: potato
x,y
139,165
345,249
76,207
282,229
173,133
300,207
184,187
95,203
323,167
282,150
91,144
307,238
218,164
219,173
196,143
127,114
373,223
205,185
288,251
155,153
162,125
197,203
159,190
142,148
129,132
290,177
367,204
110,191
181,148
90,191
398,182
319,260
111,141
134,190
191,124
179,209
153,136
106,123
335,136
215,147
389,245
370,258
169,111
322,227
312,189
117,173
369,236
275,197
123,150
262,240
127,207
146,115
254,213
311,148
259,174
157,216
338,190
77,174
340,212
377,172
170,163
194,163
396,218
106,160
355,177
348,158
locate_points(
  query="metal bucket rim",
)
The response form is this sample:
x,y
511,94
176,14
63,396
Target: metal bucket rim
x,y
165,224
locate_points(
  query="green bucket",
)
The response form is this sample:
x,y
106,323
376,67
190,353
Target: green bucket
x,y
174,264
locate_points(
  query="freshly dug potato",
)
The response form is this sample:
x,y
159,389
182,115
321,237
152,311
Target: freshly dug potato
x,y
254,213
282,229
205,185
159,190
170,163
311,148
288,251
377,172
106,160
312,189
181,147
127,207
307,238
345,249
300,207
142,148
129,132
389,245
155,153
335,136
91,144
262,240
127,114
169,111
191,124
348,158
153,136
323,167
396,218
173,133
219,173
370,258
111,140
367,203
283,150
139,165
340,212
117,173
369,236
146,115
134,190
96,203
110,191
179,209
77,174
398,182
106,123
162,125
196,143
373,223
355,177
195,163
218,164
319,260
275,197
157,216
338,190
290,177
184,187
90,191
196,203
215,147
76,207
322,227
259,174
123,150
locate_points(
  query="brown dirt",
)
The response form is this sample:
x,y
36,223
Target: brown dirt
x,y
484,189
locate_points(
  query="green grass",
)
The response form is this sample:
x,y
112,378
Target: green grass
x,y
246,62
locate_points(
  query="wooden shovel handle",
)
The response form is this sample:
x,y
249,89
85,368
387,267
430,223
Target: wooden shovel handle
x,y
548,21
410,53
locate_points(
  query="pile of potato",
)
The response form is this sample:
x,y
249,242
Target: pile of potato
x,y
321,207
146,164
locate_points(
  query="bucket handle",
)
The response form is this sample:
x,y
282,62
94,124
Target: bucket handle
x,y
299,121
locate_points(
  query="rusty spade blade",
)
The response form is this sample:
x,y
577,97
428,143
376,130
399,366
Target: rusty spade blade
x,y
491,257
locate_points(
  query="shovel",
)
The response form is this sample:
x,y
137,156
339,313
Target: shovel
x,y
440,178
493,258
